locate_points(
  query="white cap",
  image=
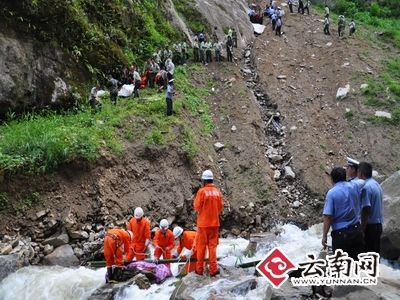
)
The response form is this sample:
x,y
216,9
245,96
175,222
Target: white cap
x,y
207,175
352,162
177,231
138,213
130,234
164,224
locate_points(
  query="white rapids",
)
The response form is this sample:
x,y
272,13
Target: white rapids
x,y
57,283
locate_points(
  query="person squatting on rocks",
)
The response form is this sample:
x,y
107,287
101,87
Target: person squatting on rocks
x,y
164,242
208,204
140,226
342,213
187,240
169,97
117,242
372,209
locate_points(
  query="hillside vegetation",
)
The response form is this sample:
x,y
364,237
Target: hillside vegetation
x,y
101,35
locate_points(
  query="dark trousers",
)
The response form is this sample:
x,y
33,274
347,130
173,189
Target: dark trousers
x,y
306,8
349,240
326,30
341,30
196,54
202,56
291,7
208,56
114,97
169,106
300,9
152,76
352,30
229,54
183,58
372,238
217,55
273,24
137,88
278,30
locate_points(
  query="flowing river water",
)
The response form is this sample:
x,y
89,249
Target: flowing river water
x,y
57,283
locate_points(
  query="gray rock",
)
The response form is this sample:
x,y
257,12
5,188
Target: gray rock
x,y
62,256
383,114
342,92
289,174
274,158
6,250
391,234
33,73
48,249
296,204
78,235
281,77
9,264
92,236
258,220
7,238
233,128
41,214
57,240
78,252
219,146
247,54
142,282
277,174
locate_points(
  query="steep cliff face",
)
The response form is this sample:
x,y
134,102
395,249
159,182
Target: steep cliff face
x,y
34,74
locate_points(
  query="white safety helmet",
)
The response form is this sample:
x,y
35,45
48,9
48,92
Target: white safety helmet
x,y
164,224
177,231
138,213
130,234
207,175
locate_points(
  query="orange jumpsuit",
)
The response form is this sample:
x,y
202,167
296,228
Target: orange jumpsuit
x,y
141,233
208,204
163,242
188,241
116,242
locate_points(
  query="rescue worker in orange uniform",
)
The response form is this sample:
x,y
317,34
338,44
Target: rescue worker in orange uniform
x,y
142,238
163,241
187,239
116,244
208,204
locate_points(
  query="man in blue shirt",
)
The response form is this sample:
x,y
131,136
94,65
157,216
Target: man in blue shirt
x,y
372,209
342,213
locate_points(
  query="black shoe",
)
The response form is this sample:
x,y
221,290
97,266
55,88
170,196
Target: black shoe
x,y
117,274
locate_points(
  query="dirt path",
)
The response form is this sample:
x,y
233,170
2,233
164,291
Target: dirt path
x,y
319,136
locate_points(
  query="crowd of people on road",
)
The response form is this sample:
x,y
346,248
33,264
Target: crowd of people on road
x,y
132,243
354,210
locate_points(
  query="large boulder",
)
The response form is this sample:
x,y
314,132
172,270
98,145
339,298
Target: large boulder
x,y
9,264
391,202
32,74
62,256
225,14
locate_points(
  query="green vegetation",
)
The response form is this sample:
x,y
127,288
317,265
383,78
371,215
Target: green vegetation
x,y
100,35
193,18
27,202
3,201
348,115
383,90
38,143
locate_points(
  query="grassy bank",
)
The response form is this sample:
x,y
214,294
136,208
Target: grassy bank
x,y
40,143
